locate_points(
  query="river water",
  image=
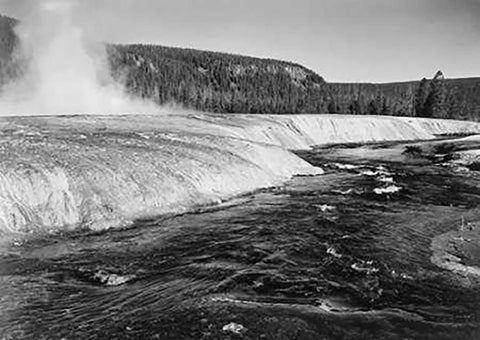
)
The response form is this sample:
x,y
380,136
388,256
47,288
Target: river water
x,y
346,255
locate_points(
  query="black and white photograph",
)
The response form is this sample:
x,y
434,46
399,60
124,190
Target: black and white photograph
x,y
240,169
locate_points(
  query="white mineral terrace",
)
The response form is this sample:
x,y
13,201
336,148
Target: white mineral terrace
x,y
101,172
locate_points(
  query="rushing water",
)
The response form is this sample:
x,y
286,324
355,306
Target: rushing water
x,y
344,255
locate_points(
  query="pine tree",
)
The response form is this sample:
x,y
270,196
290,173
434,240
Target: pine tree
x,y
435,104
332,107
374,107
421,97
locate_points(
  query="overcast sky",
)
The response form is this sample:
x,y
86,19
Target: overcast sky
x,y
342,40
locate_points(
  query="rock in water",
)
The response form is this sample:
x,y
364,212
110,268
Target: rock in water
x,y
234,328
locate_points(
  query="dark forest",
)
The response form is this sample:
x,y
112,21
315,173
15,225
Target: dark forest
x,y
226,83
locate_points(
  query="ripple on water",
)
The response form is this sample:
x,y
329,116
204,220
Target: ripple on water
x,y
321,257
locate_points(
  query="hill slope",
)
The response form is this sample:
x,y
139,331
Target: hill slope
x,y
216,81
220,82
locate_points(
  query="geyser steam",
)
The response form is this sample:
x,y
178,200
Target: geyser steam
x,y
66,73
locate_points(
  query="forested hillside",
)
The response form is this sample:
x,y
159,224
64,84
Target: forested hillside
x,y
218,82
227,83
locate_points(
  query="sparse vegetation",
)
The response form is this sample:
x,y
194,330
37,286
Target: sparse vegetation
x,y
413,150
435,152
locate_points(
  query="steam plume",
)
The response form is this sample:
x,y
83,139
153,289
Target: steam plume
x,y
64,74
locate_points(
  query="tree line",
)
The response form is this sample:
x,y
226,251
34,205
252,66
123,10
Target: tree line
x,y
227,83
217,82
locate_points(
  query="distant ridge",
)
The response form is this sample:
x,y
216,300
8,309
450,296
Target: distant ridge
x,y
227,83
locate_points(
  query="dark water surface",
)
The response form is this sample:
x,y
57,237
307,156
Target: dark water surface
x,y
346,255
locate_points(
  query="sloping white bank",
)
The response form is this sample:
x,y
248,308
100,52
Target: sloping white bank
x,y
102,172
304,131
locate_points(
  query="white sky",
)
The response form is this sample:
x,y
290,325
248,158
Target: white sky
x,y
342,40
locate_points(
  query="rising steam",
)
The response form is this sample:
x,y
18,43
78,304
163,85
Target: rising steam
x,y
65,72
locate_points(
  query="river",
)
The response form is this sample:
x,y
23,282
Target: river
x,y
355,253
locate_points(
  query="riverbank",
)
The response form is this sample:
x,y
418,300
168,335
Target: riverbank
x,y
100,172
